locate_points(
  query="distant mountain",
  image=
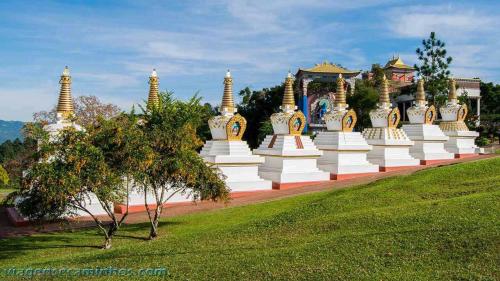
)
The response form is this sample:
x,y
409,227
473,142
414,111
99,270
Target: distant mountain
x,y
10,130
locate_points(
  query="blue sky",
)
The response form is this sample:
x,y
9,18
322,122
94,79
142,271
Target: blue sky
x,y
112,46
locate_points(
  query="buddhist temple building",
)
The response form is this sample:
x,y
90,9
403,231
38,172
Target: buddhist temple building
x,y
313,101
397,70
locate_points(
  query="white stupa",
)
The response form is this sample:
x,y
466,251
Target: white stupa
x,y
344,151
64,116
391,146
429,139
291,159
228,152
461,140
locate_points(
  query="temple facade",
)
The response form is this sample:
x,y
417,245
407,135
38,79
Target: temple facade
x,y
315,102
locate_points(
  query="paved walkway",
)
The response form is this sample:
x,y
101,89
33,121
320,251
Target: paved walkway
x,y
6,230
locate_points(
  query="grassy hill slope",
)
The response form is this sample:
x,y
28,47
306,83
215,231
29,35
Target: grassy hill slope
x,y
438,224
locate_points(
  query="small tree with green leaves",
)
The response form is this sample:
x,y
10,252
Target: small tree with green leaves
x,y
433,68
175,167
69,172
120,139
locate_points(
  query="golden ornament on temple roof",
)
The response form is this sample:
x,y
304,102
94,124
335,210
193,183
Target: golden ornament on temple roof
x,y
65,103
327,67
397,62
384,91
340,98
288,97
153,98
452,92
227,98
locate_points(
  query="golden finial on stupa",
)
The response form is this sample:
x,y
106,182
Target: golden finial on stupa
x,y
340,98
227,98
420,97
452,91
288,98
384,91
153,98
65,103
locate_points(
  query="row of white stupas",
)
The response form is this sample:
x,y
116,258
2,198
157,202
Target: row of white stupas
x,y
287,158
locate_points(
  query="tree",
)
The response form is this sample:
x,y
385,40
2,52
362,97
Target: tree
x,y
69,171
364,99
4,177
490,98
490,110
257,107
175,166
14,156
87,111
120,139
433,68
378,75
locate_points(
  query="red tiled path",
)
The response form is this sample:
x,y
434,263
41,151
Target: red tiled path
x,y
239,199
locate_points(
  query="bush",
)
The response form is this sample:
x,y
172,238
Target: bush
x,y
482,141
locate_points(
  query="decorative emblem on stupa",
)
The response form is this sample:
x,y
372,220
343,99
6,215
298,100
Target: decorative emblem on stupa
x,y
339,118
384,115
420,113
453,113
288,121
153,98
229,125
65,104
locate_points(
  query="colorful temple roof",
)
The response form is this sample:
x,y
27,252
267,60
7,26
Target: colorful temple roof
x,y
327,67
397,62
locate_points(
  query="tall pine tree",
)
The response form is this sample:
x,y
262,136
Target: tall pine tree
x,y
433,67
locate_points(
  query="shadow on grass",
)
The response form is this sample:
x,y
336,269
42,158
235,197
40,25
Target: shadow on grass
x,y
87,238
12,247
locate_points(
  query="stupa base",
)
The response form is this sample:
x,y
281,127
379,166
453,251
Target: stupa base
x,y
237,163
392,157
244,178
461,142
285,170
426,150
344,153
429,142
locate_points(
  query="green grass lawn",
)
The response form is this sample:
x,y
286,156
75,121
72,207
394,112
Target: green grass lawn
x,y
438,224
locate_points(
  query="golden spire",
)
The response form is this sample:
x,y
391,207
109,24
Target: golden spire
x,y
420,97
153,99
340,95
384,91
288,98
65,103
452,92
227,98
